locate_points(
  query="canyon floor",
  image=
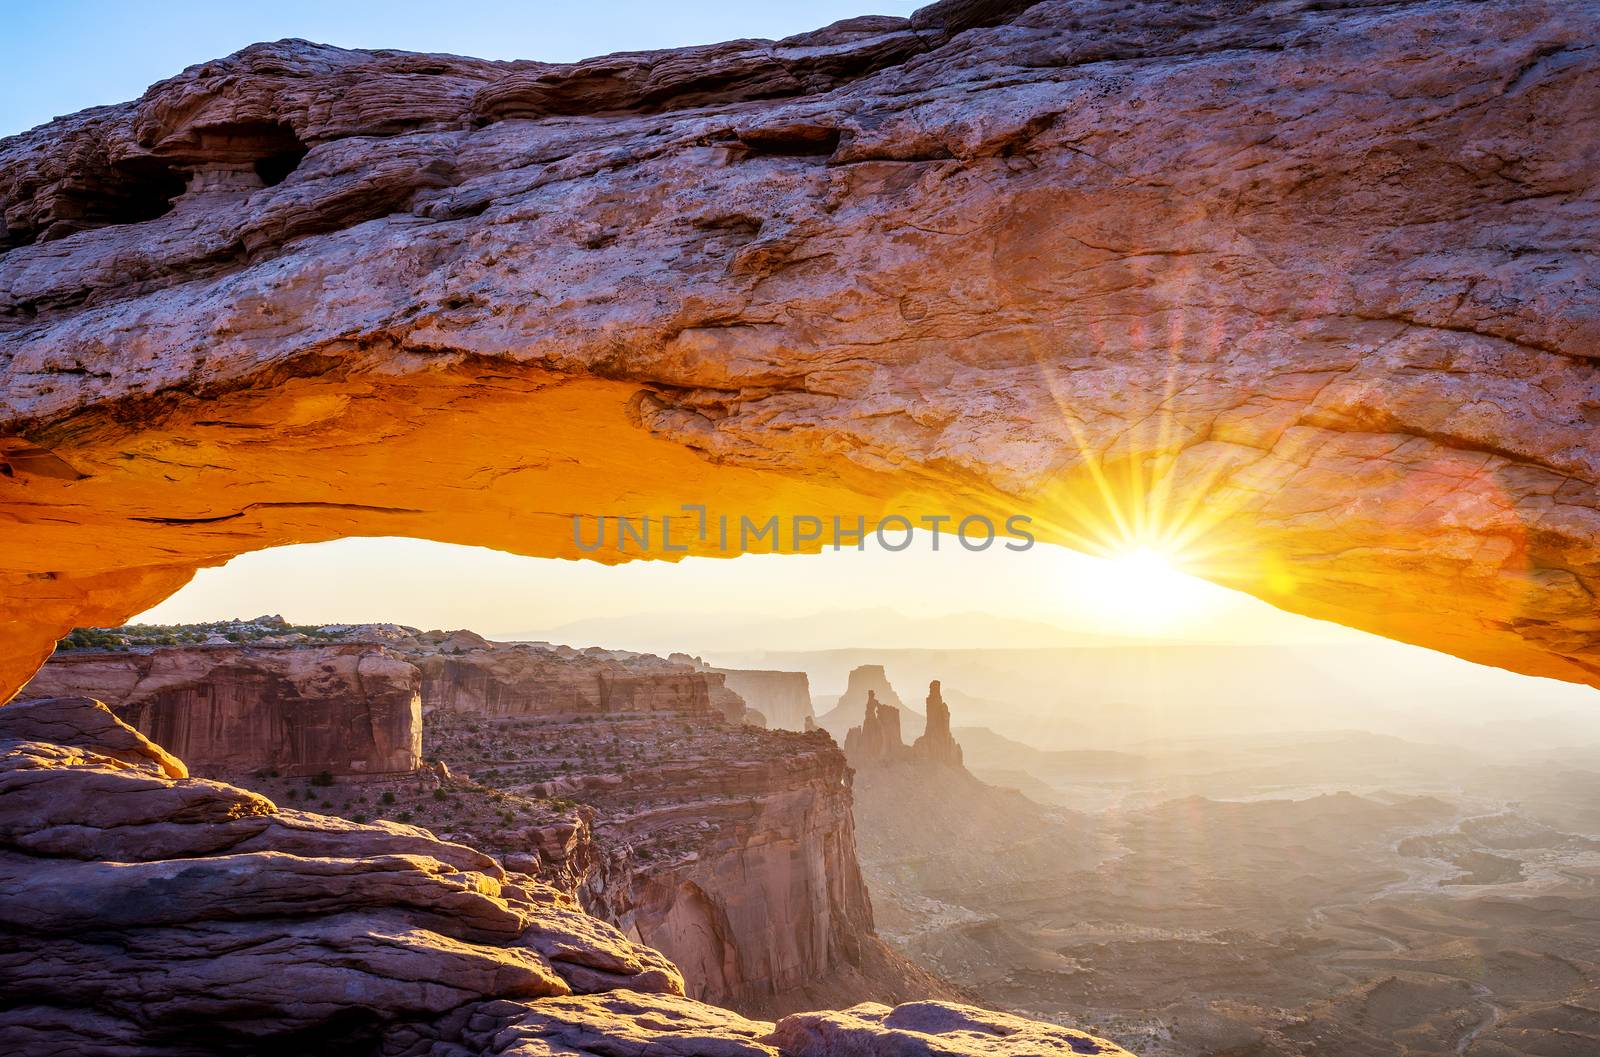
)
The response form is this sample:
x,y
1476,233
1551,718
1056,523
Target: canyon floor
x,y
1316,895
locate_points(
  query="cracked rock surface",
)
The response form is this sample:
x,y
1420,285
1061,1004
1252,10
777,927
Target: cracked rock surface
x,y
1304,289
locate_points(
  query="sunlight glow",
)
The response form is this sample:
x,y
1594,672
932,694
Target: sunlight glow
x,y
1141,590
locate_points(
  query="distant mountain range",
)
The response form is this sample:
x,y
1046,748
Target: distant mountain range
x,y
878,628
1056,688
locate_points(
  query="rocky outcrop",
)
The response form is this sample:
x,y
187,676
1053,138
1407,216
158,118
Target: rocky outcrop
x,y
784,698
937,746
231,710
1190,267
867,683
247,922
877,741
730,849
147,914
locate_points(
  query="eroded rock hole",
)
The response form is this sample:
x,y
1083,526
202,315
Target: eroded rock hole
x,y
276,167
127,191
269,150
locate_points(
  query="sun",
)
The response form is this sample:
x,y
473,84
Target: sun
x,y
1138,590
1144,568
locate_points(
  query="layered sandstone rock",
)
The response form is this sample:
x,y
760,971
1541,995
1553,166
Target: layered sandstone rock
x,y
229,710
934,1029
147,914
733,850
1172,274
247,922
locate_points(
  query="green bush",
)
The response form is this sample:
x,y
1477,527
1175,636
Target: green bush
x,y
322,778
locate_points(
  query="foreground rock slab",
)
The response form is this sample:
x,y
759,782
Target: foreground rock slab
x,y
930,1029
1301,291
170,904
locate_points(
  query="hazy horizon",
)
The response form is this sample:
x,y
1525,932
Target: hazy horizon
x,y
1048,644
1044,596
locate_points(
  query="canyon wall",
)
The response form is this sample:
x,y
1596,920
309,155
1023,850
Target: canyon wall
x,y
784,698
301,710
729,848
465,672
1150,273
772,902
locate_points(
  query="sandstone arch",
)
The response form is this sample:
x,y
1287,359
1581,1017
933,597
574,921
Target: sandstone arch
x,y
1309,285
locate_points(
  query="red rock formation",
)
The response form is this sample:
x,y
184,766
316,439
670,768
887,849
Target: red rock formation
x,y
230,710
866,681
248,922
147,914
934,1029
937,746
770,904
877,741
730,849
1105,264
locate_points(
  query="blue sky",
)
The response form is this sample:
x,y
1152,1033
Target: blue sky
x,y
65,55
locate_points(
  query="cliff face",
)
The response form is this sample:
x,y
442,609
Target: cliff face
x,y
769,902
784,698
1196,267
729,848
150,914
229,710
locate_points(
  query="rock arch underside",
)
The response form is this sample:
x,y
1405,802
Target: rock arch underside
x,y
1308,285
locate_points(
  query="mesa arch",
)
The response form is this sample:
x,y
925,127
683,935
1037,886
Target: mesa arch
x,y
1310,283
